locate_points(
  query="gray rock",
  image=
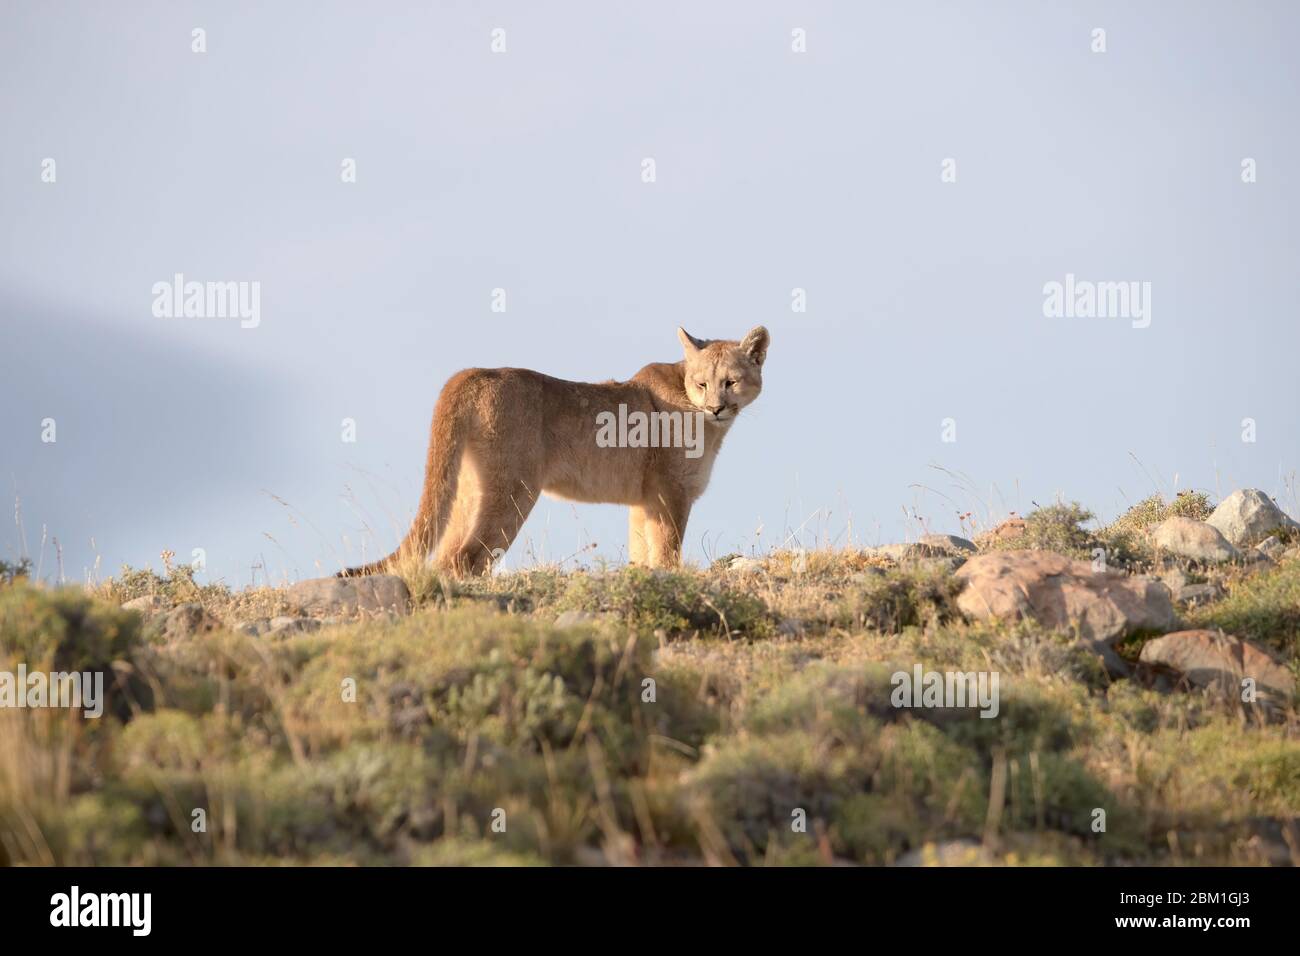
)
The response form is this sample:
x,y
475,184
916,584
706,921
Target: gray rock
x,y
951,542
743,564
185,621
1216,660
910,551
1066,595
350,597
147,605
1174,578
1198,593
1246,517
294,625
1193,539
1271,547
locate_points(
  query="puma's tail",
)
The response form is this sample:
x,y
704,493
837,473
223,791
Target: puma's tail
x,y
446,442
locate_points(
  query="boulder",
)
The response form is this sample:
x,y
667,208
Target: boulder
x,y
349,597
147,605
1007,530
1271,547
951,543
1188,538
285,624
1246,517
1213,659
908,551
1193,594
184,621
1063,594
930,546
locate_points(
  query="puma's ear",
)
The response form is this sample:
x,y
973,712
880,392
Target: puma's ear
x,y
689,342
755,344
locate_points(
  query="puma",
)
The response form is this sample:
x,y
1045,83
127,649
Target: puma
x,y
501,436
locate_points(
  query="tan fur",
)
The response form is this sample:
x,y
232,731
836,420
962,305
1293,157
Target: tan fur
x,y
502,436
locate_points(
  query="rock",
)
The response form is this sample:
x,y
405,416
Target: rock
x,y
186,620
743,564
147,605
951,543
1011,528
293,625
911,551
1064,594
349,597
1193,539
1217,660
577,619
1174,578
1197,593
1271,547
1247,517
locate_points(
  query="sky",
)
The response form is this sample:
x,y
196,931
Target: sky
x,y
921,171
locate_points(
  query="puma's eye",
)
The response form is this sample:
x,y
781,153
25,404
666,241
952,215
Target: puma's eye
x,y
702,385
729,384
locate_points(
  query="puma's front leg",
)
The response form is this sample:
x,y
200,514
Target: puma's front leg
x,y
636,542
665,526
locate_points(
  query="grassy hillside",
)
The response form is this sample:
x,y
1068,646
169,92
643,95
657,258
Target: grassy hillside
x,y
674,718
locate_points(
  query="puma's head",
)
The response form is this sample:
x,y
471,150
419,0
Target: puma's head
x,y
722,377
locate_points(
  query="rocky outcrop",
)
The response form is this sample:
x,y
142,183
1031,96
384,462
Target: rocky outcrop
x,y
1216,660
1007,531
951,543
350,597
147,605
1196,540
184,621
1248,516
1063,594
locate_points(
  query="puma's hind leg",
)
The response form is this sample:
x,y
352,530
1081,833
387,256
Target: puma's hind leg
x,y
499,510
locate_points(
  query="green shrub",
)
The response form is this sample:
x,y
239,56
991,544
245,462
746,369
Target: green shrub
x,y
921,595
13,571
1059,528
1263,607
676,602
